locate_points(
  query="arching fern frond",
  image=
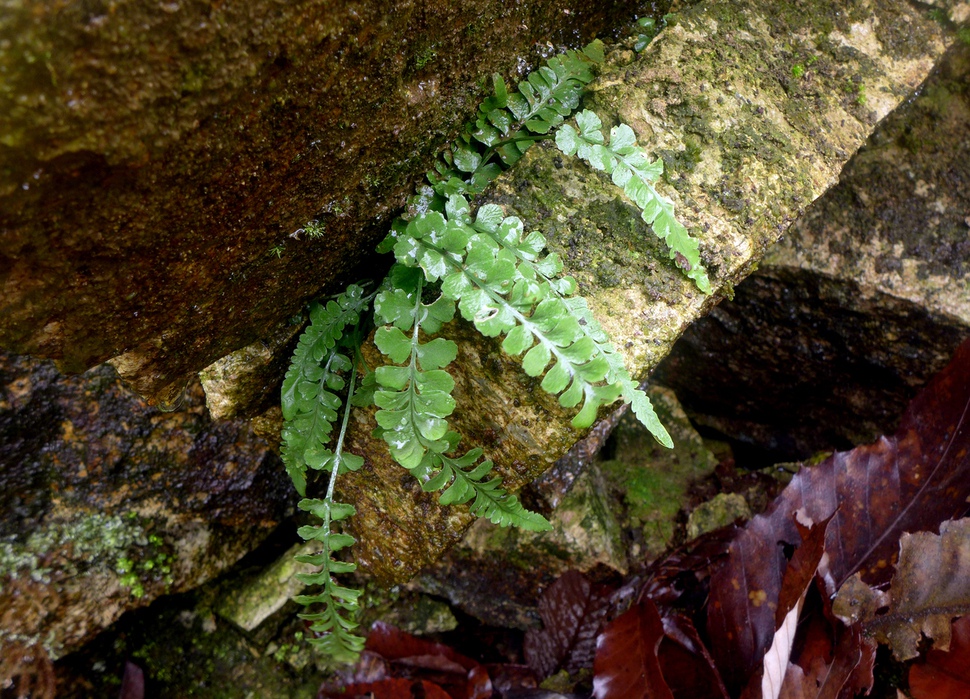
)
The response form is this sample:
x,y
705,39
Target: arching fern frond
x,y
634,173
502,283
462,479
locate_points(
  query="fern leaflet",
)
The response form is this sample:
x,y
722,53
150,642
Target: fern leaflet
x,y
630,170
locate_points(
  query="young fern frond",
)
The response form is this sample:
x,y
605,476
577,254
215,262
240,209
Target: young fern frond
x,y
335,621
309,398
310,401
509,123
630,170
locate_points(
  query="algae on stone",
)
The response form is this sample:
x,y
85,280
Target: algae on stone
x,y
717,512
654,482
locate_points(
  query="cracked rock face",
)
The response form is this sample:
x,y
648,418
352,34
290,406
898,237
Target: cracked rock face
x,y
747,147
864,299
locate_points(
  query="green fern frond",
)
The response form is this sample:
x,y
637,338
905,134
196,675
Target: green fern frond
x,y
415,393
502,279
309,399
509,122
462,479
338,605
493,269
335,620
631,170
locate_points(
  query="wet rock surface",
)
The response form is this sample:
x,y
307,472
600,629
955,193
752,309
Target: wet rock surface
x,y
241,630
618,514
107,503
160,166
863,300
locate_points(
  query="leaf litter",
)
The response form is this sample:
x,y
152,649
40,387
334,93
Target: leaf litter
x,y
706,620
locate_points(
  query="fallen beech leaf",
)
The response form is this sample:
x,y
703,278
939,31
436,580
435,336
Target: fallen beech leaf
x,y
743,602
775,663
823,670
414,659
682,578
685,663
132,683
931,586
389,689
626,665
400,646
573,612
799,572
944,674
909,482
479,684
642,655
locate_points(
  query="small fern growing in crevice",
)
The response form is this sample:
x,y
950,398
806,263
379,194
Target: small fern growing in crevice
x,y
484,266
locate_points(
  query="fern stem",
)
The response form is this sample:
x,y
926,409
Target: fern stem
x,y
339,448
337,639
412,384
492,150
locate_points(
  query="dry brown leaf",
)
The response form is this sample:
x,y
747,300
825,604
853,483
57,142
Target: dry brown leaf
x,y
930,588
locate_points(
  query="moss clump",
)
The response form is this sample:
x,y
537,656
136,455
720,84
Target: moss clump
x,y
90,540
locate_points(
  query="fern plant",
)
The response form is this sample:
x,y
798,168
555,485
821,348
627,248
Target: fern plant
x,y
488,269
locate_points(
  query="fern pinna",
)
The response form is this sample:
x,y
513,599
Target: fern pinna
x,y
501,279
